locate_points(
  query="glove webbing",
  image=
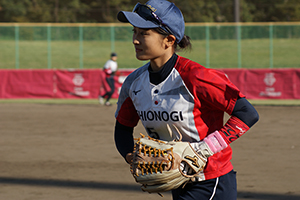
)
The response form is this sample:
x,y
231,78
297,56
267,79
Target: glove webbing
x,y
153,167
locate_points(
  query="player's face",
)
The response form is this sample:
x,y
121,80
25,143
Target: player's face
x,y
114,58
149,44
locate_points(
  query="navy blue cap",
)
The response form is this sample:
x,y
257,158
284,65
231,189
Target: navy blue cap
x,y
113,54
166,11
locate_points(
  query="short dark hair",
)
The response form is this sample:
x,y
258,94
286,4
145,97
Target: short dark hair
x,y
184,44
113,54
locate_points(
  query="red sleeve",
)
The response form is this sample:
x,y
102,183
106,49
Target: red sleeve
x,y
209,85
217,90
214,87
127,115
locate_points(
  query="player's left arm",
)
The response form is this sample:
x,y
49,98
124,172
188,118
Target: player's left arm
x,y
243,117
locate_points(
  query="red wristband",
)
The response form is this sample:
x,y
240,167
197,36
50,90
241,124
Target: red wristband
x,y
233,129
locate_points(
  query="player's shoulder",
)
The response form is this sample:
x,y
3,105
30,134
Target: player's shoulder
x,y
184,64
193,70
137,72
189,67
135,75
107,63
111,62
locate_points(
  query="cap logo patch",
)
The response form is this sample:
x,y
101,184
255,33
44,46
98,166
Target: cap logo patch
x,y
152,8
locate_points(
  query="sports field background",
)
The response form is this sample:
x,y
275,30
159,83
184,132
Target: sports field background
x,y
64,149
223,54
61,46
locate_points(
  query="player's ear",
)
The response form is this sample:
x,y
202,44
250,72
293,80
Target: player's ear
x,y
170,40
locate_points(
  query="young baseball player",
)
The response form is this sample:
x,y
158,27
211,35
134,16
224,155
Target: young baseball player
x,y
174,90
110,68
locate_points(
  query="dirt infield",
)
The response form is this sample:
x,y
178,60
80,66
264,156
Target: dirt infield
x,y
67,152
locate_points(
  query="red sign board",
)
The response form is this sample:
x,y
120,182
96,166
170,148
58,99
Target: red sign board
x,y
90,83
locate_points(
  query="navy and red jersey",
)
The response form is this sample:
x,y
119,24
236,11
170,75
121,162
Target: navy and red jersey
x,y
191,97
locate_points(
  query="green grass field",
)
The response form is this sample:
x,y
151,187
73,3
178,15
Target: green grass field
x,y
255,53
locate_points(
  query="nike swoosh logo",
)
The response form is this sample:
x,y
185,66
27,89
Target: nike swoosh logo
x,y
135,92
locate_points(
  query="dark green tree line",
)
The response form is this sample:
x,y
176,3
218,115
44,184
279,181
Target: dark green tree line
x,y
106,10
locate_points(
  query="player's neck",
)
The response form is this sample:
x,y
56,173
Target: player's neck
x,y
158,63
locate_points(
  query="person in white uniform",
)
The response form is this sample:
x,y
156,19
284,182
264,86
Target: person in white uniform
x,y
110,68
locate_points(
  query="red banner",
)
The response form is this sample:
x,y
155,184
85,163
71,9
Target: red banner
x,y
26,83
267,83
90,83
77,83
271,84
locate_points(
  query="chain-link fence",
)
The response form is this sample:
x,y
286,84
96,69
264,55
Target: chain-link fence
x,y
83,46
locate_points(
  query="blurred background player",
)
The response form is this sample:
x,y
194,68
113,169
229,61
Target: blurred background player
x,y
110,69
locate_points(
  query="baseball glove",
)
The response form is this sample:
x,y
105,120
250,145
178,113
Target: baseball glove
x,y
157,165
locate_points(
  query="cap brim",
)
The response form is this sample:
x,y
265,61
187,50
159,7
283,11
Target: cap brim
x,y
135,20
